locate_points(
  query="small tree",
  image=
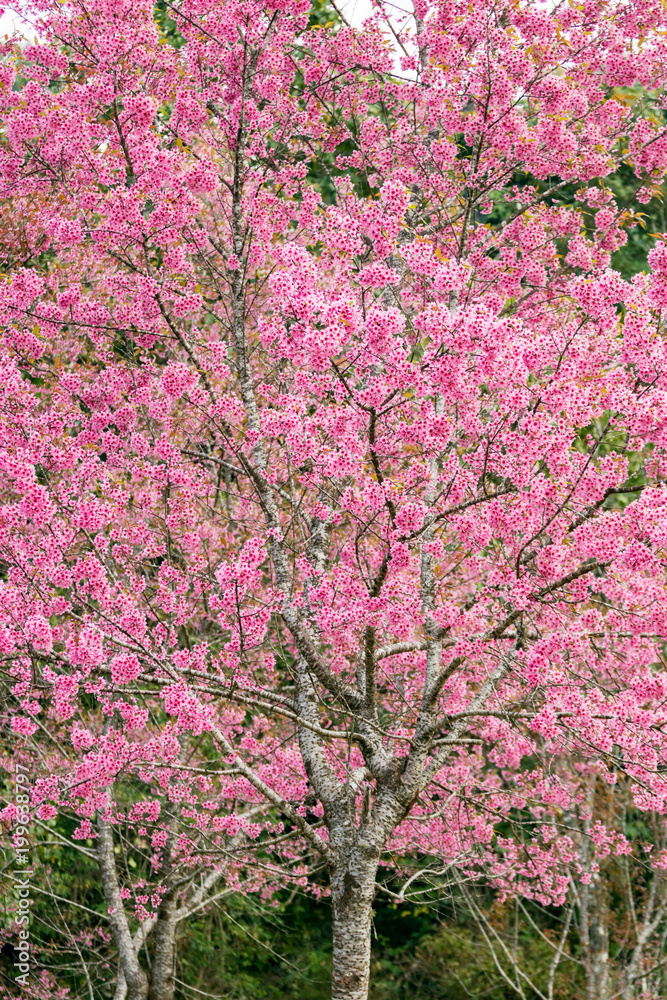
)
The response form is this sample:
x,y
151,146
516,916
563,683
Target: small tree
x,y
610,934
332,443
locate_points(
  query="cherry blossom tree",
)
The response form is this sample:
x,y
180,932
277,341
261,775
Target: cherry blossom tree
x,y
333,446
613,924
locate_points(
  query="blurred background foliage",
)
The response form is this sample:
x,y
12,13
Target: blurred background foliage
x,y
462,941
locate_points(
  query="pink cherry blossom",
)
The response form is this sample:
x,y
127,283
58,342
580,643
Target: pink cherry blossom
x,y
333,448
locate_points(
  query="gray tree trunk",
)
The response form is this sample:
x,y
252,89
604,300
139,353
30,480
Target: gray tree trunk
x,y
162,972
352,894
134,976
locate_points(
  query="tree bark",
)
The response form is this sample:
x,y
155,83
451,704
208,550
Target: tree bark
x,y
133,974
599,984
162,972
594,934
352,894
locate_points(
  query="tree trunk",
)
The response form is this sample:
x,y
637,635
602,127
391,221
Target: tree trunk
x,y
162,972
599,972
594,933
352,894
134,977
